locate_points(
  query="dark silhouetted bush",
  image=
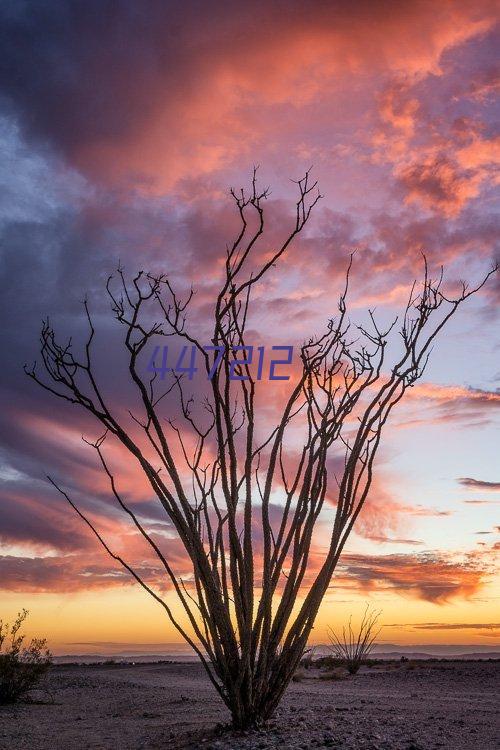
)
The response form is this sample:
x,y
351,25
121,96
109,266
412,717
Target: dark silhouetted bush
x,y
21,667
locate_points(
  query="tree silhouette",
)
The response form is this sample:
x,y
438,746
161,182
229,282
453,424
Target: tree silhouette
x,y
249,605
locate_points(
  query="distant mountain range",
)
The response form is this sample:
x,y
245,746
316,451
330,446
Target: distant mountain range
x,y
129,652
427,651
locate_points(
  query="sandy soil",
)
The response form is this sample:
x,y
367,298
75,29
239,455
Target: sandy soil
x,y
450,705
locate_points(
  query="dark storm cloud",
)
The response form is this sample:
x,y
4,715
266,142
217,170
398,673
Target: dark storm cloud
x,y
40,520
80,71
71,68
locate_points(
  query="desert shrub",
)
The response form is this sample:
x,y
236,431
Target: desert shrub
x,y
353,648
298,676
21,666
327,662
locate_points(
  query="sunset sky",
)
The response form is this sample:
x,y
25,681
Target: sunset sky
x,y
122,127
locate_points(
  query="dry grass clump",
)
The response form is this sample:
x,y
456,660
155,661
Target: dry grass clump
x,y
353,647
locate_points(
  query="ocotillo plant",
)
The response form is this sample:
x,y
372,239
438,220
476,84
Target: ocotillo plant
x,y
251,602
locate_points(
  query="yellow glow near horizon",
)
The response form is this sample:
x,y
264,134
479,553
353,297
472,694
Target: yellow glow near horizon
x,y
75,623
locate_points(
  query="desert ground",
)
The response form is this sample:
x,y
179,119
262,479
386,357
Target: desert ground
x,y
409,706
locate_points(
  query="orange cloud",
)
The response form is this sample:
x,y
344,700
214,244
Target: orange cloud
x,y
437,182
427,576
291,60
449,402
